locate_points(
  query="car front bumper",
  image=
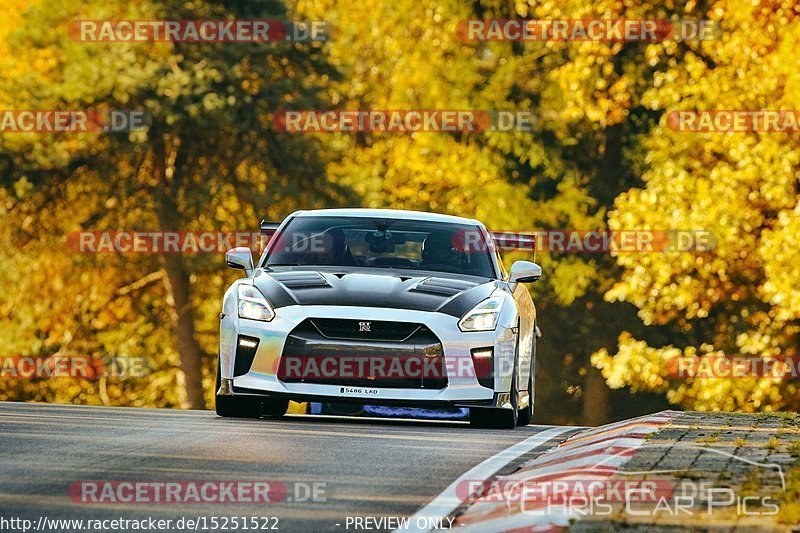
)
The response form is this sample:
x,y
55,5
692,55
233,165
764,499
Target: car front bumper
x,y
462,388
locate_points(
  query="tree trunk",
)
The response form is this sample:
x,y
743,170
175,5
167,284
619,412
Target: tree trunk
x,y
189,350
610,181
595,398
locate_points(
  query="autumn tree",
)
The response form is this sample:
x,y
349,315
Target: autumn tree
x,y
208,160
741,297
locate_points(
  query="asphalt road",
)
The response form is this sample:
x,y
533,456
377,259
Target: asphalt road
x,y
362,467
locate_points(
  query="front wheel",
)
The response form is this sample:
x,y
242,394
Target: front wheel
x,y
238,407
526,413
495,418
235,406
275,408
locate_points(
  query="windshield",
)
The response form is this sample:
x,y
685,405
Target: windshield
x,y
381,243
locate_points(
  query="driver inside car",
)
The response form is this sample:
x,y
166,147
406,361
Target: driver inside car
x,y
438,253
335,250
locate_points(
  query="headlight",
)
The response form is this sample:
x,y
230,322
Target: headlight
x,y
253,305
482,317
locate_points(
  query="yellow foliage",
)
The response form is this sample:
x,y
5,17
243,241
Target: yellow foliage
x,y
742,296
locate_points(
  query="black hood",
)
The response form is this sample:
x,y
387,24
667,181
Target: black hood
x,y
375,288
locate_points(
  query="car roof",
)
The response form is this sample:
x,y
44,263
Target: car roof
x,y
386,213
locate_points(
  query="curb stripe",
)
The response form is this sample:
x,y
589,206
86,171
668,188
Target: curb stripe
x,y
597,453
448,501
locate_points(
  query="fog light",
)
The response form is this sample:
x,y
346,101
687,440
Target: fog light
x,y
245,353
483,361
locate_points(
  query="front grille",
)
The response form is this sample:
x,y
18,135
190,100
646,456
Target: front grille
x,y
389,355
373,330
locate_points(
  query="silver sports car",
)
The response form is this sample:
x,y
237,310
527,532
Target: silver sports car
x,y
379,307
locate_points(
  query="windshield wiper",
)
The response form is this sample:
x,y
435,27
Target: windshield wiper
x,y
399,267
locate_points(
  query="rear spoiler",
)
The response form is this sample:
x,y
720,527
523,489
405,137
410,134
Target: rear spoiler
x,y
268,228
508,241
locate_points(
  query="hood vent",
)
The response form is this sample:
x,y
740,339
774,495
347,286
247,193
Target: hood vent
x,y
444,287
301,280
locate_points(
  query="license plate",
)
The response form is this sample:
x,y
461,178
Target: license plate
x,y
358,390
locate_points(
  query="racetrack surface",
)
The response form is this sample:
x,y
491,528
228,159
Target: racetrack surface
x,y
369,467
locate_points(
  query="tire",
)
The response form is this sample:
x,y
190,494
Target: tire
x,y
526,413
274,408
494,418
238,407
235,406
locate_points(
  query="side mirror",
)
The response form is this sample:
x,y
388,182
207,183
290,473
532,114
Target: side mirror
x,y
240,258
524,272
